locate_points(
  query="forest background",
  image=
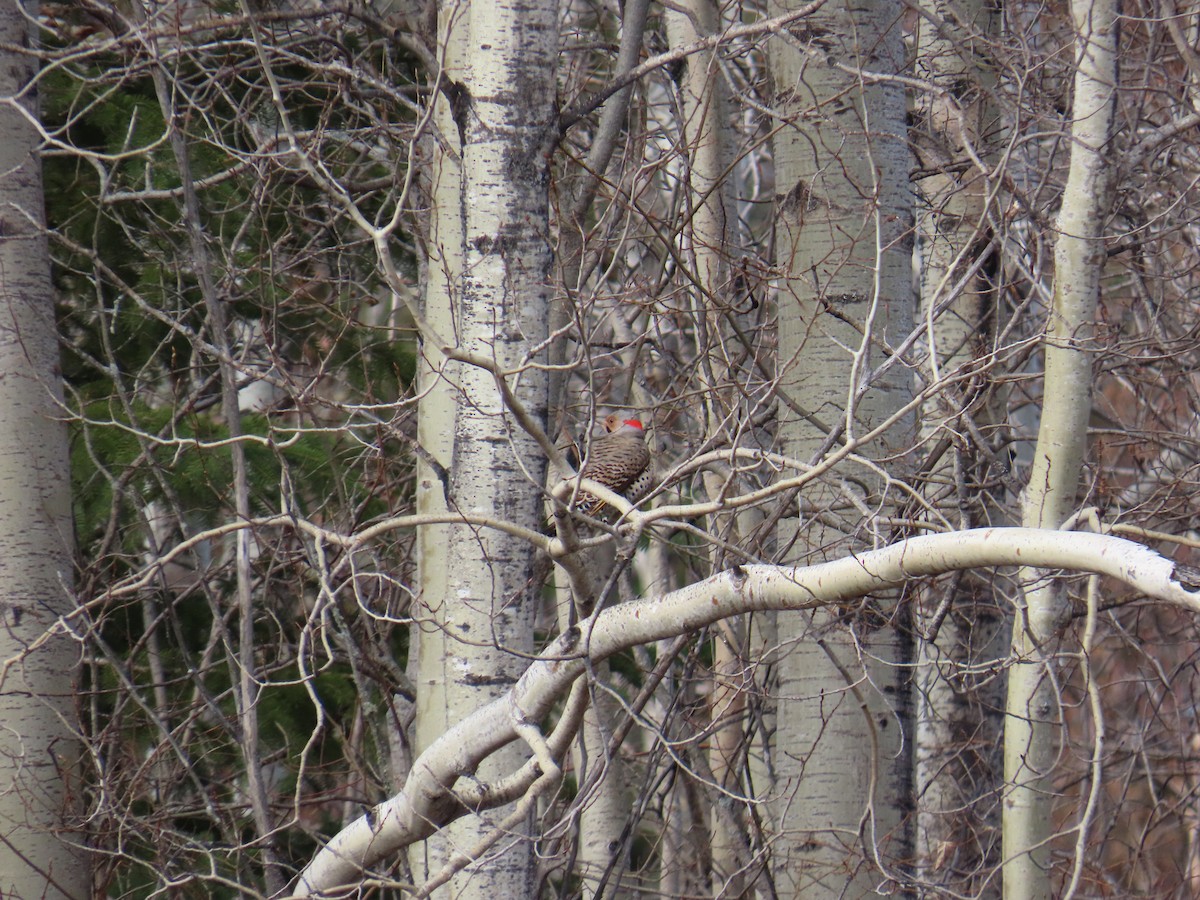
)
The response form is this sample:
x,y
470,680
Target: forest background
x,y
309,313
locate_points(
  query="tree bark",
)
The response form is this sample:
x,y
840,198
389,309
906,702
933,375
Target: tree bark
x,y
39,756
1033,722
442,262
478,627
844,244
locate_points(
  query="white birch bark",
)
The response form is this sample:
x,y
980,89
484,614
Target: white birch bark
x,y
844,244
429,639
39,757
1033,722
480,626
424,805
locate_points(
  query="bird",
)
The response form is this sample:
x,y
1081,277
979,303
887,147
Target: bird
x,y
620,460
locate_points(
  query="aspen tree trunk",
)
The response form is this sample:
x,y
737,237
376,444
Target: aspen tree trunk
x,y
606,808
959,721
443,259
1033,722
703,137
39,764
844,244
495,261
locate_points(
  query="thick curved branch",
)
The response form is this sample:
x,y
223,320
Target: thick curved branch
x,y
426,802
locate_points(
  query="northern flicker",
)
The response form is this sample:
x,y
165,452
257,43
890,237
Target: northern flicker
x,y
619,460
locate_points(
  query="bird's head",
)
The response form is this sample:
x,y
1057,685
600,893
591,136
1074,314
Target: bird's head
x,y
617,424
